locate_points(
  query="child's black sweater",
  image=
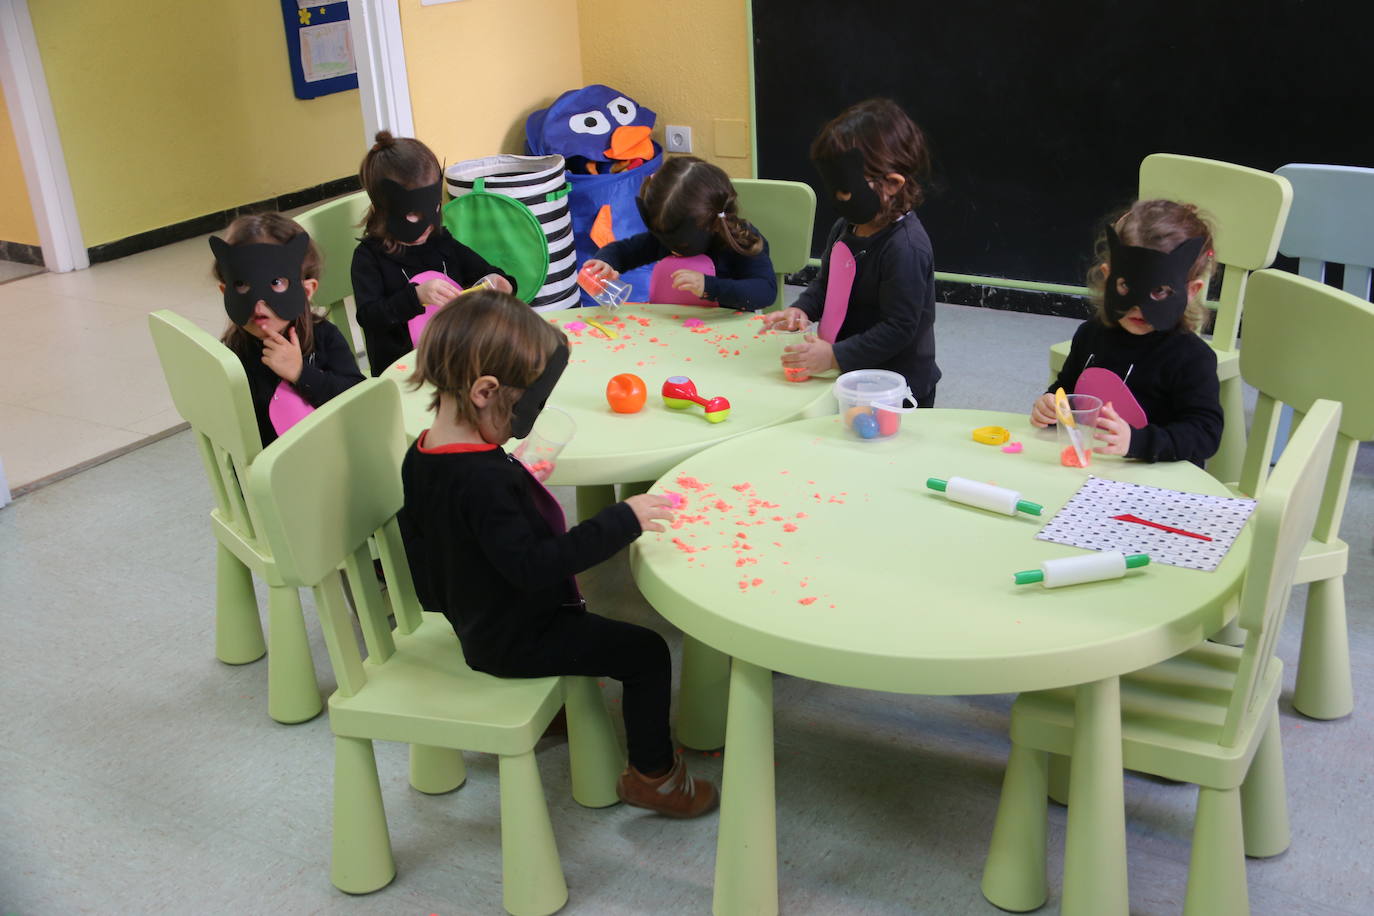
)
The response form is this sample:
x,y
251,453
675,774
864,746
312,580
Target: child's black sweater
x,y
326,371
481,552
743,281
1173,374
386,299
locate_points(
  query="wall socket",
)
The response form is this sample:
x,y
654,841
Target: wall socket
x,y
677,139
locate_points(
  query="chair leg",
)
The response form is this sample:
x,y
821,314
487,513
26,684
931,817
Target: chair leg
x,y
1324,689
594,753
1264,796
531,873
1060,767
436,770
592,499
1014,874
703,697
238,631
1216,869
1225,464
362,861
292,693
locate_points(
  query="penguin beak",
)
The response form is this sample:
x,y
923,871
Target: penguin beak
x,y
631,142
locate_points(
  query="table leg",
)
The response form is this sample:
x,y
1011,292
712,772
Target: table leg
x,y
747,844
1095,844
592,499
703,695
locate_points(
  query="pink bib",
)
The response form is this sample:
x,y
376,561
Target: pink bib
x,y
840,280
661,281
1107,385
287,407
417,324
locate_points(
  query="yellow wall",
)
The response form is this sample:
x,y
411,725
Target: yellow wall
x,y
478,68
16,214
687,61
169,110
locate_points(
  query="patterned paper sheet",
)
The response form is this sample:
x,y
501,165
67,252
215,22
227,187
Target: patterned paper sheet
x,y
1086,521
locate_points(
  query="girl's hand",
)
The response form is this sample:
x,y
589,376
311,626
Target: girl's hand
x,y
283,356
648,507
815,354
436,291
1042,411
497,282
1112,430
788,319
691,281
601,269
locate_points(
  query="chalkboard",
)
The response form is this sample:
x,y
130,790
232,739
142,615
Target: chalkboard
x,y
1038,114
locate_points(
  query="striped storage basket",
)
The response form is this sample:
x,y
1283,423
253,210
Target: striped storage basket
x,y
539,183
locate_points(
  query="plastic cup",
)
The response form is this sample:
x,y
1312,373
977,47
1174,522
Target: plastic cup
x,y
787,339
1085,408
608,293
539,452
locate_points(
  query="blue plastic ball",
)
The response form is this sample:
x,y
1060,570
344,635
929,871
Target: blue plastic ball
x,y
866,425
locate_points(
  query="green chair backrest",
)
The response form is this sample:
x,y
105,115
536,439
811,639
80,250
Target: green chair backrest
x,y
1305,341
322,492
784,212
335,227
1332,222
1282,526
1248,208
210,391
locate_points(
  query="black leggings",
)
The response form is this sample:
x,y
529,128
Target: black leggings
x,y
589,645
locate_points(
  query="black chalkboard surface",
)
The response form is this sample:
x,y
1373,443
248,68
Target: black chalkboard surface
x,y
1038,114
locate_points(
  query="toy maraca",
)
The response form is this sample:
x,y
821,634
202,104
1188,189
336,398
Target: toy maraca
x,y
679,393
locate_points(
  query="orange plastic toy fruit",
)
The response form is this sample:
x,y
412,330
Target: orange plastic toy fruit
x,y
626,393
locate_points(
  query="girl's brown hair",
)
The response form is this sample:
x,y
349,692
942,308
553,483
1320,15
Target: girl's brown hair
x,y
889,141
272,229
404,160
483,333
689,191
1160,225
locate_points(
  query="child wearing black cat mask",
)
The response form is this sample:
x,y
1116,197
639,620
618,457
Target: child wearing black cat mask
x,y
1152,268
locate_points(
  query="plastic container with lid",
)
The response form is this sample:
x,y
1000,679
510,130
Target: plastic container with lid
x,y
872,402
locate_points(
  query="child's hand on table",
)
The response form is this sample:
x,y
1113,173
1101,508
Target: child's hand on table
x,y
788,319
283,356
648,507
1112,430
436,291
815,355
601,269
691,281
1042,412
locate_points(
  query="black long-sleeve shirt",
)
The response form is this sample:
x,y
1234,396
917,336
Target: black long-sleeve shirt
x,y
386,299
744,282
326,371
481,552
1173,374
890,323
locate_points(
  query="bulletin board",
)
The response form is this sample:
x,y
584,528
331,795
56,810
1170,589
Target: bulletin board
x,y
320,47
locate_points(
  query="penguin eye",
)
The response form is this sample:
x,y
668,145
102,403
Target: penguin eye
x,y
622,109
589,122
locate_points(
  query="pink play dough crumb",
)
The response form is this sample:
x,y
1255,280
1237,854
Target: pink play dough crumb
x,y
810,600
575,326
674,499
741,486
683,546
789,527
1012,448
692,323
690,483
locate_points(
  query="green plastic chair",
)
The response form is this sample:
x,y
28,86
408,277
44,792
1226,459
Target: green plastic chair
x,y
210,391
784,212
1248,208
335,228
1209,716
1305,341
323,491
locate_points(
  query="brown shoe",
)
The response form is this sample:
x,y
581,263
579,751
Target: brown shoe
x,y
674,794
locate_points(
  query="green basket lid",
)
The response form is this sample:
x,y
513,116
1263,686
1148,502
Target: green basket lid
x,y
504,232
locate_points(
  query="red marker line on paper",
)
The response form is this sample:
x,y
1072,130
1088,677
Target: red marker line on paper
x,y
1141,521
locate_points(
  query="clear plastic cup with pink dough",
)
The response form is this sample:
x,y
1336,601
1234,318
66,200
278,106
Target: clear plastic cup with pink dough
x,y
786,338
1085,409
539,451
608,293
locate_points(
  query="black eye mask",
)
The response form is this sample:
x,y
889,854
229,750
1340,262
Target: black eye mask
x,y
1143,271
256,267
403,201
685,239
845,174
527,409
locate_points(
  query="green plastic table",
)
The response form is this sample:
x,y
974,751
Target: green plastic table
x,y
723,356
804,550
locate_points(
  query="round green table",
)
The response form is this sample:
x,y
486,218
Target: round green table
x,y
804,550
720,350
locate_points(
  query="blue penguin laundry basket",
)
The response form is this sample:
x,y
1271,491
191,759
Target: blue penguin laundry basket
x,y
540,184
